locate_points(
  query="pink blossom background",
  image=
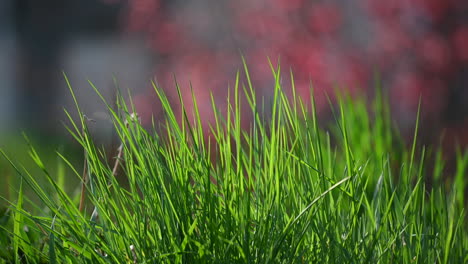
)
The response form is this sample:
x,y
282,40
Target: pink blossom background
x,y
418,47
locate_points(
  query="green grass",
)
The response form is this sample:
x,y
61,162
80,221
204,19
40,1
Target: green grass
x,y
283,190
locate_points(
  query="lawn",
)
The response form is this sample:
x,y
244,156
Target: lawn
x,y
283,189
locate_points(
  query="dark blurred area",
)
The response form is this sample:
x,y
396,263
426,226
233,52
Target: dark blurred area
x,y
42,29
41,40
419,48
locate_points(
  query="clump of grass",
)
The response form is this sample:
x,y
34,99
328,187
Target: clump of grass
x,y
282,191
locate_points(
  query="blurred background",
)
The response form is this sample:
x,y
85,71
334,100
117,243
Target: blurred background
x,y
417,47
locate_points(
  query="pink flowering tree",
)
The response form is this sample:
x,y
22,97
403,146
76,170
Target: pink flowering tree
x,y
420,47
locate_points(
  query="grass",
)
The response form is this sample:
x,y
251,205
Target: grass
x,y
283,190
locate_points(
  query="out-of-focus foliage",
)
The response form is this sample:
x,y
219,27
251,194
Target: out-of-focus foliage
x,y
420,47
